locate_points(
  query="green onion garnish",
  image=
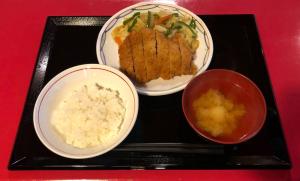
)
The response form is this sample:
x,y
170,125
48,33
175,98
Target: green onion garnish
x,y
189,27
175,14
132,24
193,23
131,18
172,28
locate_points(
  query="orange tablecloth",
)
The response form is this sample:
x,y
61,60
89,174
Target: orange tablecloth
x,y
21,28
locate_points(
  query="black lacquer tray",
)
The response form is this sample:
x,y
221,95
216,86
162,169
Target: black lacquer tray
x,y
161,138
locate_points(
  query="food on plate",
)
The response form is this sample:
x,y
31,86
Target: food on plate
x,y
89,115
217,114
156,44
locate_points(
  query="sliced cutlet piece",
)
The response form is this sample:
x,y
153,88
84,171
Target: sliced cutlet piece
x,y
136,42
174,56
126,61
186,56
150,53
163,55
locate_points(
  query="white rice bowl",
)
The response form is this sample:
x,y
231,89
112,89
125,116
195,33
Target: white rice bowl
x,y
68,119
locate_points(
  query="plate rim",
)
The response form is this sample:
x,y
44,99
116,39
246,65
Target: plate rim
x,y
179,87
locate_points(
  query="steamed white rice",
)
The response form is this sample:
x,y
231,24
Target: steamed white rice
x,y
89,116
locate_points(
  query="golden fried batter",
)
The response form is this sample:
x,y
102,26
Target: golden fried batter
x,y
136,42
149,44
126,61
149,54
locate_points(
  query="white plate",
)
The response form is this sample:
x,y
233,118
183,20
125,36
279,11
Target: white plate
x,y
64,82
107,49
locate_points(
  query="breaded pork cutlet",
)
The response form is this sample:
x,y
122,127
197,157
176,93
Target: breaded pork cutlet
x,y
186,56
149,43
136,42
126,61
149,54
162,55
174,56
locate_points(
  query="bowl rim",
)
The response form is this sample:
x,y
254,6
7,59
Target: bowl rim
x,y
61,76
261,96
171,5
